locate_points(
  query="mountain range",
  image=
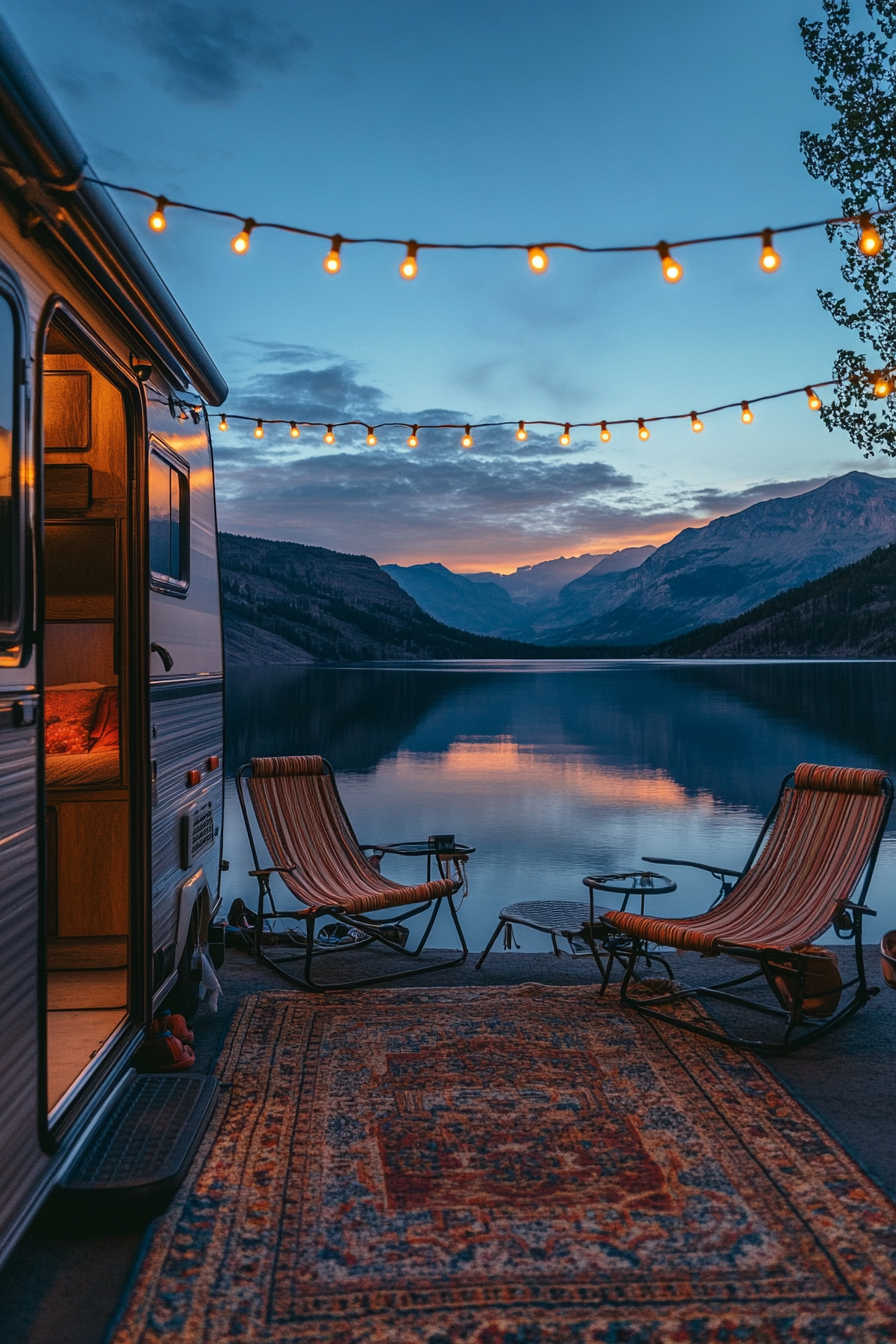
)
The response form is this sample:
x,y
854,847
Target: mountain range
x,y
703,575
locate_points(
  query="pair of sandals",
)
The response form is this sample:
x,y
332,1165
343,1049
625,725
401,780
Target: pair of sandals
x,y
171,1046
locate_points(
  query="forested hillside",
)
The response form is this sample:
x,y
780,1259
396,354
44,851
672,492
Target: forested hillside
x,y
850,613
287,603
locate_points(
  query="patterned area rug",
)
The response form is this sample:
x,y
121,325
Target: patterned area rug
x,y
526,1166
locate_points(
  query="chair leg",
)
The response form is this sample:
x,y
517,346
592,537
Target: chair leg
x,y
490,944
306,980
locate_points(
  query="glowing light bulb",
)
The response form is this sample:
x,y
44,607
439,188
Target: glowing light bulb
x,y
814,400
240,243
538,259
329,437
294,430
564,437
769,259
696,424
157,221
672,269
333,259
870,242
605,434
882,386
408,267
259,429
413,440
371,437
183,414
745,413
223,425
521,434
467,440
643,431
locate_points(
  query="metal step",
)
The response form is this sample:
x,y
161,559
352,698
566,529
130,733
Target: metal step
x,y
148,1140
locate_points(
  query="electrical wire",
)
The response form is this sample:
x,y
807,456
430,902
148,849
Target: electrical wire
x,y
769,260
521,426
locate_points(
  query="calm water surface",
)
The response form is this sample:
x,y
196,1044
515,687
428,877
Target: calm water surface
x,y
556,770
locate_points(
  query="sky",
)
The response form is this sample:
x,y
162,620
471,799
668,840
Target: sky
x,y
471,121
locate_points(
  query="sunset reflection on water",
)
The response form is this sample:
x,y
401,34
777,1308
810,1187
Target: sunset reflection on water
x,y
553,773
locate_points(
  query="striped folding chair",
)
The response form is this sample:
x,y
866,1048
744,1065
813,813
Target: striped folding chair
x,y
817,846
303,824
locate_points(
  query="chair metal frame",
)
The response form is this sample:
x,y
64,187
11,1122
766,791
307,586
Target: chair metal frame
x,y
847,925
372,929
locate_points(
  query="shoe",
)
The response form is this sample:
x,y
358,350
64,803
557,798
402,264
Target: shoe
x,y
174,1023
169,1055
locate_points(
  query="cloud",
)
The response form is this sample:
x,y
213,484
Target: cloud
x,y
502,499
211,51
718,503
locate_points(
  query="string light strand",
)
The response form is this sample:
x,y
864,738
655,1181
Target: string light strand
x,y
883,384
869,241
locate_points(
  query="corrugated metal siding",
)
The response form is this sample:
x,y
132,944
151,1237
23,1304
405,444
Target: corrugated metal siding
x,y
21,1160
187,726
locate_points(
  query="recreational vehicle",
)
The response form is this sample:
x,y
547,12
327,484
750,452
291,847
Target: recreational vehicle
x,y
111,673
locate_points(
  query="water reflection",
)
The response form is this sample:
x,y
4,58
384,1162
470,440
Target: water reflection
x,y
557,770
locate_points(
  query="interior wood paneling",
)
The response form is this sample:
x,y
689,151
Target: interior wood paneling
x,y
108,434
92,884
67,409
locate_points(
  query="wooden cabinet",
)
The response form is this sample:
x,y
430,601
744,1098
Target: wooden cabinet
x,y
92,874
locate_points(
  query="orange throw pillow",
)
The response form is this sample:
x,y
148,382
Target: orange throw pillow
x,y
68,716
104,733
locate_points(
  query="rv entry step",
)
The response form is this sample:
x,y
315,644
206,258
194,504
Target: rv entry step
x,y
147,1142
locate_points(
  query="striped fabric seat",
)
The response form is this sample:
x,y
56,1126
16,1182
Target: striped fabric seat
x,y
306,830
821,840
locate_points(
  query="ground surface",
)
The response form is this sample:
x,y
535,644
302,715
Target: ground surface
x,y
64,1281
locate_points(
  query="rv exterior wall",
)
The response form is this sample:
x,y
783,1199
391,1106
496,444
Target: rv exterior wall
x,y
186,714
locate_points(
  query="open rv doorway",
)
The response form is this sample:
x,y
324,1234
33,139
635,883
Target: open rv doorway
x,y
89,434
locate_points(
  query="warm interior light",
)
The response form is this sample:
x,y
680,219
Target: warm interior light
x,y
333,260
745,413
412,441
538,259
157,221
605,434
672,269
521,432
814,399
870,242
467,440
222,424
564,437
259,430
643,431
294,430
240,243
769,259
329,437
371,437
408,267
882,386
696,424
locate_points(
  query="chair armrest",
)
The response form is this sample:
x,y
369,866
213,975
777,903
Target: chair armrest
x,y
687,863
266,872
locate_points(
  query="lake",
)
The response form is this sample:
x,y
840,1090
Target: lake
x,y
555,770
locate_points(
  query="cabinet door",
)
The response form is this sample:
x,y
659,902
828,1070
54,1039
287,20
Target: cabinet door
x,y
92,891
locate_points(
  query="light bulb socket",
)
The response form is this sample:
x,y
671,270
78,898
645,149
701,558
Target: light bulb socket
x,y
223,425
294,430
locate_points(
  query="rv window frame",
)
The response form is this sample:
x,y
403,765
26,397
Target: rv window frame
x,y
165,583
14,636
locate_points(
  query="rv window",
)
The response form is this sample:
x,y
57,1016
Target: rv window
x,y
169,524
9,538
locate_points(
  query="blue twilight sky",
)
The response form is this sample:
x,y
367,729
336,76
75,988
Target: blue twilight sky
x,y
475,120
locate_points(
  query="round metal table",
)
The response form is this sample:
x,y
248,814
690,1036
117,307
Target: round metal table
x,y
616,944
